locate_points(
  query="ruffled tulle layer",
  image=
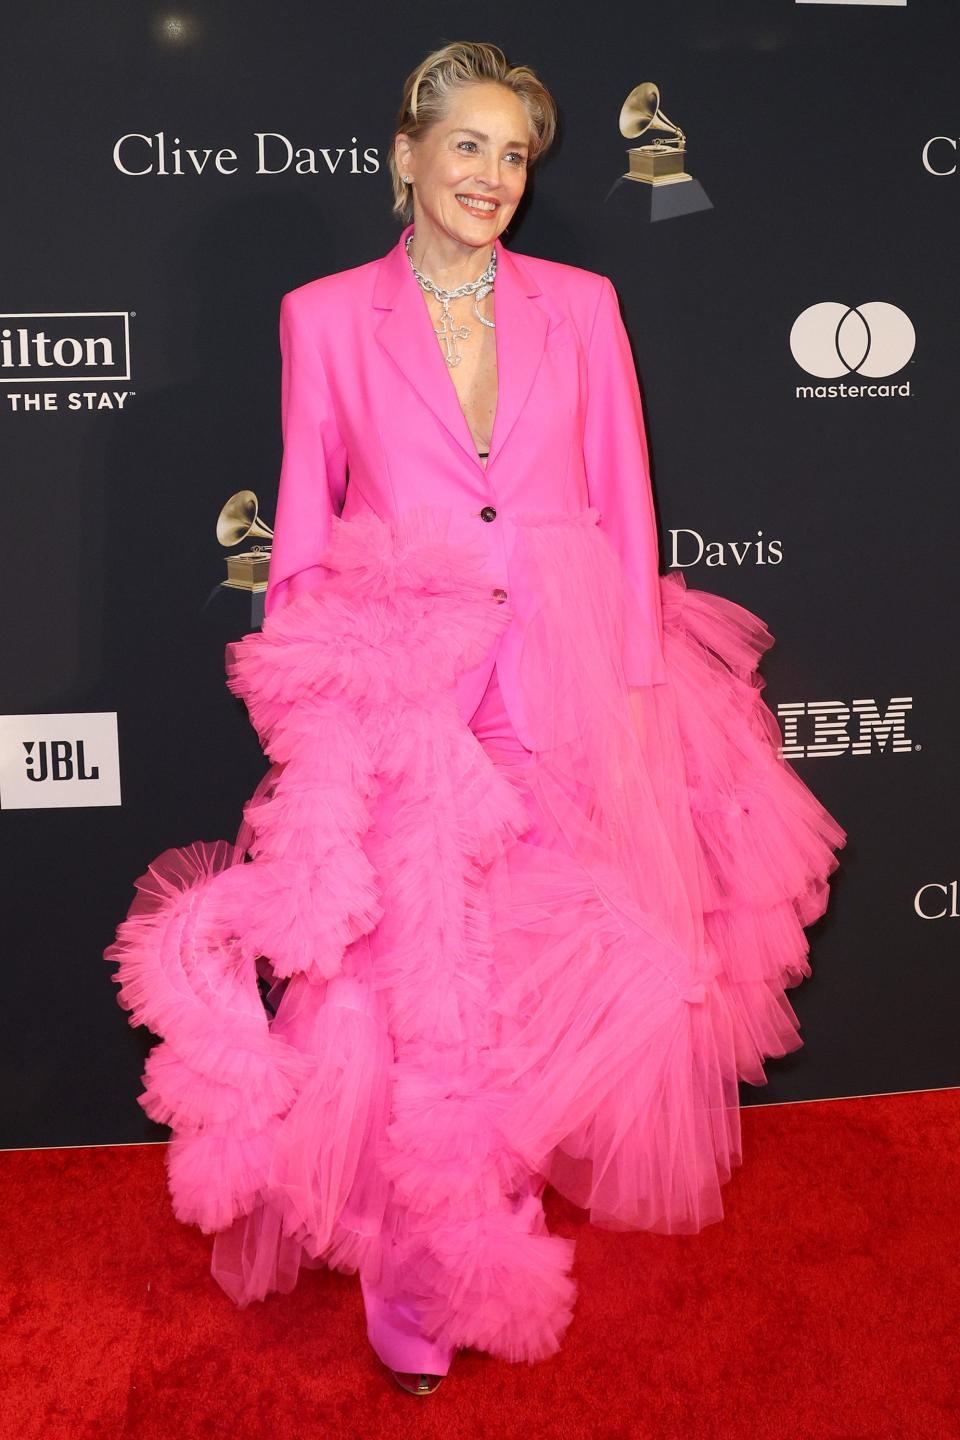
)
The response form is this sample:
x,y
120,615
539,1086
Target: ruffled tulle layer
x,y
649,927
419,977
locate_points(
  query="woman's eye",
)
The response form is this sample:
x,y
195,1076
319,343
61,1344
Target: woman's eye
x,y
514,156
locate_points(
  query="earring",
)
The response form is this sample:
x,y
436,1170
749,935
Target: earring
x,y
407,179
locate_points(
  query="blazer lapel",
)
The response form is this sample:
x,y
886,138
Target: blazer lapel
x,y
405,332
522,334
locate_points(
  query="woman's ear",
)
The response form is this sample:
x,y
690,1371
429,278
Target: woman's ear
x,y
403,152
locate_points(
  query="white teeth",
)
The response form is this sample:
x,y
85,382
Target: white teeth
x,y
477,204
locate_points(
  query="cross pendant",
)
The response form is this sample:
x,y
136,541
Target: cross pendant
x,y
450,332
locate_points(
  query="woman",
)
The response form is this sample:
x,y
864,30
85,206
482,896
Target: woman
x,y
527,877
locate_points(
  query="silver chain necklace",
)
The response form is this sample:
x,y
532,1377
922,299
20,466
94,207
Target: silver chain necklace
x,y
448,331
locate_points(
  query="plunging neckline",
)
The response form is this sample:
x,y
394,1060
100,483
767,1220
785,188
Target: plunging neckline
x,y
481,456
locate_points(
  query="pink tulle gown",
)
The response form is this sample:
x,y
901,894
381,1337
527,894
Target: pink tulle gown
x,y
491,967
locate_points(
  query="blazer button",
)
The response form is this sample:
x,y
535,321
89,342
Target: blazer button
x,y
488,513
499,595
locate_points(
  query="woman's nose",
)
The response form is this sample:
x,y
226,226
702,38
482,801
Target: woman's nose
x,y
490,171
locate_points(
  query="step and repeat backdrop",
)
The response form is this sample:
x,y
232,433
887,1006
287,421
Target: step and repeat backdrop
x,y
793,307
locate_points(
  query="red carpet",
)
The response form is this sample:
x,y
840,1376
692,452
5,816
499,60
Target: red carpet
x,y
824,1307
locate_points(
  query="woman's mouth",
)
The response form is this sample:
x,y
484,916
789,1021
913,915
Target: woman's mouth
x,y
477,205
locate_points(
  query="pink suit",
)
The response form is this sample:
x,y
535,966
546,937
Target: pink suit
x,y
365,385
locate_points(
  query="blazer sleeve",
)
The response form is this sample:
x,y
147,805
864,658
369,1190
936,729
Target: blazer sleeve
x,y
313,472
618,480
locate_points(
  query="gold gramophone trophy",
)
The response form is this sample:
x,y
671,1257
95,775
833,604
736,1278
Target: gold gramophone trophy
x,y
238,520
660,162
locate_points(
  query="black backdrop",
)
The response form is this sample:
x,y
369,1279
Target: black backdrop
x,y
808,127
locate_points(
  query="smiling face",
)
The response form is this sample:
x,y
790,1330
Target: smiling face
x,y
470,168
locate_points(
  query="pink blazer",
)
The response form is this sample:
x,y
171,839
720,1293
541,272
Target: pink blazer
x,y
371,421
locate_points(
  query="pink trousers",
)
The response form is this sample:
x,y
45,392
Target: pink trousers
x,y
392,1322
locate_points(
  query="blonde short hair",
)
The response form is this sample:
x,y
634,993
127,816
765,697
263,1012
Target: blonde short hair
x,y
427,91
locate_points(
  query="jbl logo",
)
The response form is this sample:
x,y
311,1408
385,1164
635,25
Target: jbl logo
x,y
58,760
40,769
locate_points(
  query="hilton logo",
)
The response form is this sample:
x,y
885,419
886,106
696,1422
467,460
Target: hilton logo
x,y
43,348
60,347
58,761
839,729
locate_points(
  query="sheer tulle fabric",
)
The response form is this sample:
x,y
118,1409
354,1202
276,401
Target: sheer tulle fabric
x,y
482,969
645,939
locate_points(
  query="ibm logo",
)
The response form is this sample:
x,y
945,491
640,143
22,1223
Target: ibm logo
x,y
58,761
840,729
56,347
